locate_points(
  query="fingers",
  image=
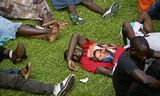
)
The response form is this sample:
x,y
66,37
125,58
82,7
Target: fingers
x,y
72,67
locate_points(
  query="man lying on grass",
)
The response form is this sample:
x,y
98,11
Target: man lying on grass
x,y
130,69
94,58
143,26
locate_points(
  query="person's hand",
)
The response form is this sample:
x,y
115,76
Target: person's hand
x,y
72,65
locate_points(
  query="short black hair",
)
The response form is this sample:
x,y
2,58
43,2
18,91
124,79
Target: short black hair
x,y
66,54
139,42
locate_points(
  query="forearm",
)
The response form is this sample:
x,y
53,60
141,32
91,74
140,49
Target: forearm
x,y
108,73
104,71
72,46
152,82
156,54
144,79
128,30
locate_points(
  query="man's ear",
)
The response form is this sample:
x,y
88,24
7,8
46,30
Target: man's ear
x,y
133,50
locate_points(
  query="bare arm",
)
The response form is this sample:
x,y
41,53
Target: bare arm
x,y
145,79
156,54
128,30
104,71
75,39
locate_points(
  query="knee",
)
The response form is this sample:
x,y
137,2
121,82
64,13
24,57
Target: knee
x,y
87,2
144,13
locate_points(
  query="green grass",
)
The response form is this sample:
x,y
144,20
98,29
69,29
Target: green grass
x,y
47,60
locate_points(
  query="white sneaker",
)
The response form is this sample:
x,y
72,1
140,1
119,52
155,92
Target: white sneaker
x,y
63,87
113,9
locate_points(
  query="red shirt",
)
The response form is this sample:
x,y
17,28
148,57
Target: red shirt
x,y
90,65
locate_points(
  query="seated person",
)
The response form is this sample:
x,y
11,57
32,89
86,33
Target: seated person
x,y
23,72
18,82
130,68
71,5
18,79
9,30
141,27
15,56
29,9
94,58
150,6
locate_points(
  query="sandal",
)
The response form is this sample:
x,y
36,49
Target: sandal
x,y
76,19
26,70
19,53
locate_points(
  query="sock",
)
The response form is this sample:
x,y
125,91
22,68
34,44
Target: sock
x,y
10,53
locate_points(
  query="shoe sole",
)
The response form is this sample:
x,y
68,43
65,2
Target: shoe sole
x,y
69,84
114,8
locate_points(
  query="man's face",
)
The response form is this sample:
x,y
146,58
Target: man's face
x,y
100,54
140,55
77,54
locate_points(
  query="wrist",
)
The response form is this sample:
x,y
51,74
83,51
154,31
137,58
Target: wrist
x,y
68,59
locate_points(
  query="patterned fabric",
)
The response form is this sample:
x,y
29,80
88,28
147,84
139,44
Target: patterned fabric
x,y
60,4
8,30
23,9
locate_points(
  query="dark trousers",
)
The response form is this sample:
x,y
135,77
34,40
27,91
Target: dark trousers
x,y
137,89
15,81
10,71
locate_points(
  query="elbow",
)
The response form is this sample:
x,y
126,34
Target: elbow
x,y
75,35
145,82
150,82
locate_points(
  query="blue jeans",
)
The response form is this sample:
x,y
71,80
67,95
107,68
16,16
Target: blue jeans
x,y
154,10
9,71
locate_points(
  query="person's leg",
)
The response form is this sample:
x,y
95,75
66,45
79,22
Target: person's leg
x,y
72,9
17,55
25,30
93,7
23,72
46,18
45,34
145,19
97,9
10,71
73,15
14,81
154,10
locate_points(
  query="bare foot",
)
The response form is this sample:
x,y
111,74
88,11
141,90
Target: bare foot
x,y
52,22
53,34
63,25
